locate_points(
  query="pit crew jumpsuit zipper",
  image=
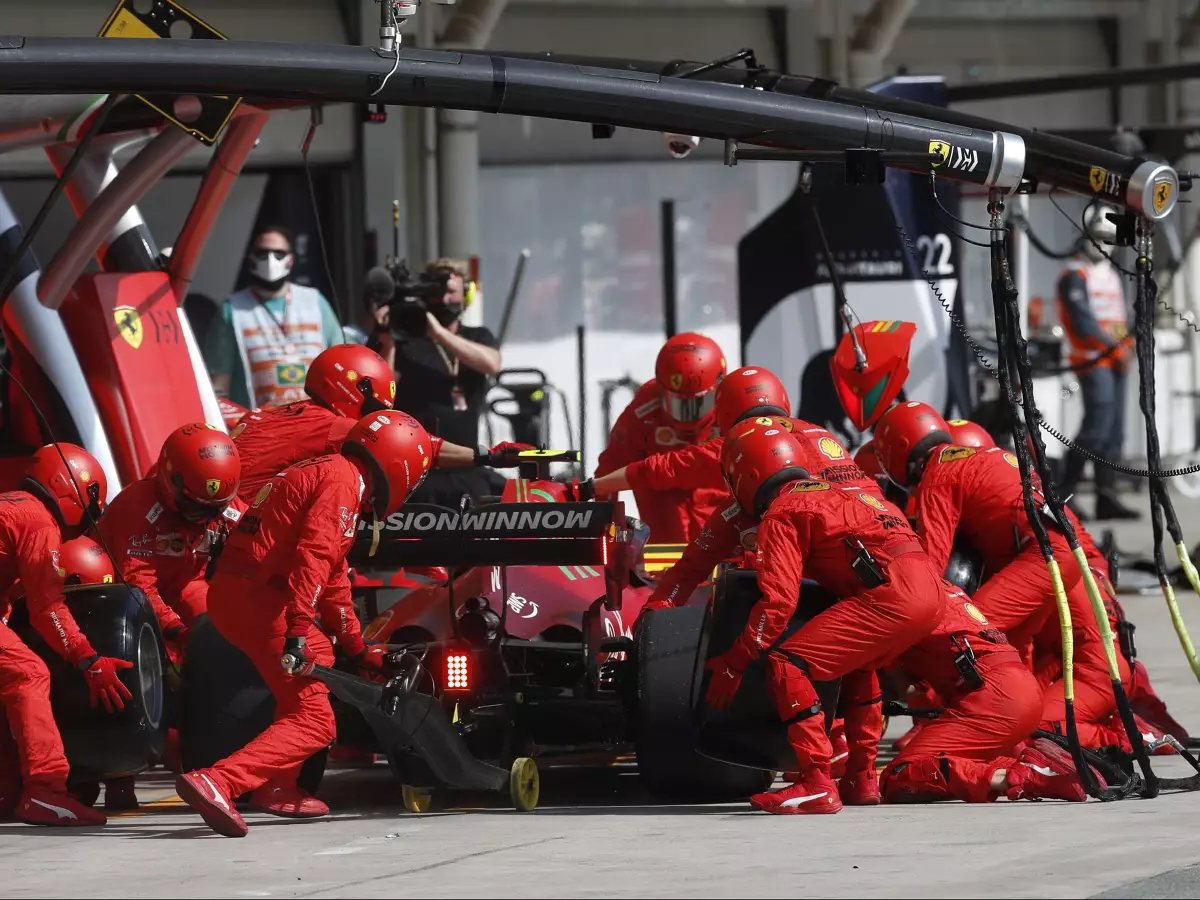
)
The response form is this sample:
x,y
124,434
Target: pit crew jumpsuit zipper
x,y
285,561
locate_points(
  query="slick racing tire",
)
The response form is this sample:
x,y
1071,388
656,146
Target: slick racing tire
x,y
670,664
119,622
226,704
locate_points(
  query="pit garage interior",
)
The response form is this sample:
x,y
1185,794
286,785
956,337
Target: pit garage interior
x,y
590,246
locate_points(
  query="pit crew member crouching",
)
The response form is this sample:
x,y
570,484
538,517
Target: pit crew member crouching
x,y
285,561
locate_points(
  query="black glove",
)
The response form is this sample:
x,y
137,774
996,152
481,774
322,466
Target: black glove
x,y
584,490
294,661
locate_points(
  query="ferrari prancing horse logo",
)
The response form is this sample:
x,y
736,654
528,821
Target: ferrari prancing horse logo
x,y
213,485
129,325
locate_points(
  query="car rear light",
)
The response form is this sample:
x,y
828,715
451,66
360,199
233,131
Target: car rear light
x,y
457,672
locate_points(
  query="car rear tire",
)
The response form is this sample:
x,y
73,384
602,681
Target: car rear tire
x,y
670,665
226,704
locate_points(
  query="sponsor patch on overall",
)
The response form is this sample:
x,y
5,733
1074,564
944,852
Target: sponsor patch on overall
x,y
1011,459
949,454
831,448
802,487
872,502
974,613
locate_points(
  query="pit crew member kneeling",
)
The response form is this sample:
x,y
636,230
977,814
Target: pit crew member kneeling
x,y
63,490
270,581
860,550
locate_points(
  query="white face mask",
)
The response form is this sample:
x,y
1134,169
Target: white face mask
x,y
270,266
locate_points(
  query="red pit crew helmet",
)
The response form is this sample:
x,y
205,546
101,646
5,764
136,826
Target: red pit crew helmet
x,y
749,391
351,380
758,458
688,369
85,562
198,471
395,452
966,433
69,481
904,437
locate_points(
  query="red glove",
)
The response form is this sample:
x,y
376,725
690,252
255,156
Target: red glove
x,y
581,491
176,640
370,661
653,604
103,682
724,684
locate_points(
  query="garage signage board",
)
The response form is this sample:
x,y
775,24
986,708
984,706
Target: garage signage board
x,y
202,117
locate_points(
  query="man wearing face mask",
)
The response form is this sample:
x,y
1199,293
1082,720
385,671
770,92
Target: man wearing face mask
x,y
259,350
1092,309
442,379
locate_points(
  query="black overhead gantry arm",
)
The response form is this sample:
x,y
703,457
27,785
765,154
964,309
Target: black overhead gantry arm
x,y
1049,160
603,92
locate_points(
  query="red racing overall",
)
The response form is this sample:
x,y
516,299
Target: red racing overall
x,y
285,561
270,440
162,553
674,514
976,494
805,532
955,755
29,546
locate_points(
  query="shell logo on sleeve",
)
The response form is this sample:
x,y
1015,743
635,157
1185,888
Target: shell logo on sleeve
x,y
831,448
1011,459
873,502
974,613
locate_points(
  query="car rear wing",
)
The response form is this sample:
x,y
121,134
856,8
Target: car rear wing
x,y
502,534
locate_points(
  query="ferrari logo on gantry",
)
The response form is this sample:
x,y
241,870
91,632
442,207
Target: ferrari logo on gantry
x,y
129,325
940,149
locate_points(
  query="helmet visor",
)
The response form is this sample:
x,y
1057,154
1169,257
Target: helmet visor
x,y
689,409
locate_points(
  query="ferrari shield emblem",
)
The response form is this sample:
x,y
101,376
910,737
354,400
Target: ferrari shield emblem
x,y
1097,177
1162,196
129,325
213,486
941,150
676,381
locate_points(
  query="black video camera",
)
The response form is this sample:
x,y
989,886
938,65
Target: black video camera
x,y
409,297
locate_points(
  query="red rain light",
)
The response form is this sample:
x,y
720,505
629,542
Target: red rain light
x,y
457,672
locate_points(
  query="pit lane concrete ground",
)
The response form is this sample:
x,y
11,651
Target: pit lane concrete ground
x,y
599,835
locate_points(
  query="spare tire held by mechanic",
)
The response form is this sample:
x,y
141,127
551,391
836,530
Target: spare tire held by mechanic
x,y
285,562
64,489
859,548
344,383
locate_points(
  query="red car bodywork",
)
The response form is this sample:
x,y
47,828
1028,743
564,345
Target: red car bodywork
x,y
539,598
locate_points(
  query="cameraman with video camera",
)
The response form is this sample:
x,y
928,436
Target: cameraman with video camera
x,y
443,368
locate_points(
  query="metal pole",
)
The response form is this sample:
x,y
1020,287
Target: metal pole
x,y
581,363
222,172
669,274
